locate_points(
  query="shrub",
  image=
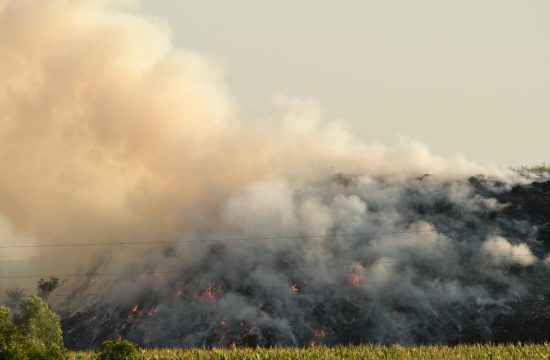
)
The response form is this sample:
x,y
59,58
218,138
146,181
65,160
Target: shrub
x,y
7,332
46,287
35,319
34,334
119,349
6,325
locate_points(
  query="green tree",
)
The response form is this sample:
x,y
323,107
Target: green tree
x,y
36,320
12,344
7,330
34,334
5,320
46,287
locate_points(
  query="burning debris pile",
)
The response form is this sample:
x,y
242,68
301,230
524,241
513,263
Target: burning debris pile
x,y
415,262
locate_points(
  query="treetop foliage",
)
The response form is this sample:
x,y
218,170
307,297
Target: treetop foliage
x,y
32,334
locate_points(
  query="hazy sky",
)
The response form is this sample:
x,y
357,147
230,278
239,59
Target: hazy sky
x,y
468,76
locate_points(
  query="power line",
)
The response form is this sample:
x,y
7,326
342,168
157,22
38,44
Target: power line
x,y
144,272
195,268
134,243
293,287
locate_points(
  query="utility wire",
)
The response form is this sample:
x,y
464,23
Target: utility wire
x,y
133,243
195,268
293,287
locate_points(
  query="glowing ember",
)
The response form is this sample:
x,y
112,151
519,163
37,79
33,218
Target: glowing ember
x,y
355,280
318,335
223,321
208,293
294,287
135,311
355,275
178,293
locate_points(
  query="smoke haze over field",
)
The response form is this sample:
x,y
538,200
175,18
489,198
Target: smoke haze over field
x,y
109,134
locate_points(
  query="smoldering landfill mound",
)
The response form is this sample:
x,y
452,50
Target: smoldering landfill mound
x,y
192,224
467,262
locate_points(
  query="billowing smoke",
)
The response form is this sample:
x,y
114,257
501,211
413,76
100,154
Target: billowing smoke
x,y
277,231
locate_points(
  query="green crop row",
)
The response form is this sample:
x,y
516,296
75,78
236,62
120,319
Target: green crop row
x,y
518,351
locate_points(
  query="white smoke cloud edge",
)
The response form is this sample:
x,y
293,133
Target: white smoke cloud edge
x,y
108,133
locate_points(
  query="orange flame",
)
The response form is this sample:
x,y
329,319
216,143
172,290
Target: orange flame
x,y
317,336
294,287
208,293
355,275
134,311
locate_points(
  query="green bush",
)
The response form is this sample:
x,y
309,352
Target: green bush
x,y
119,349
6,325
7,335
35,319
33,334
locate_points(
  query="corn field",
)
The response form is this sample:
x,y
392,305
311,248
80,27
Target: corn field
x,y
517,351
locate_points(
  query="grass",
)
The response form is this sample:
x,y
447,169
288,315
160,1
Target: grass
x,y
517,351
535,169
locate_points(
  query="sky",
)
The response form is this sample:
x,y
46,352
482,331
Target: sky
x,y
469,76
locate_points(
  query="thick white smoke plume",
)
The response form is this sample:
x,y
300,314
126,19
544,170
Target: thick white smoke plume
x,y
109,134
107,131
